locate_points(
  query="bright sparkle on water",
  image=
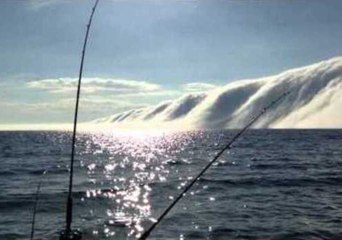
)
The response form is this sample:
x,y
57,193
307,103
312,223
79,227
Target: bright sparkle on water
x,y
122,169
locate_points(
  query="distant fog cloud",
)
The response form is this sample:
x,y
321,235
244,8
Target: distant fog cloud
x,y
91,85
198,87
315,102
37,4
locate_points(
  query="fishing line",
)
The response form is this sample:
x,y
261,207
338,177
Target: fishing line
x,y
68,233
146,234
36,203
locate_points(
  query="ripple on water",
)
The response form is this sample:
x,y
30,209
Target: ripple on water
x,y
273,184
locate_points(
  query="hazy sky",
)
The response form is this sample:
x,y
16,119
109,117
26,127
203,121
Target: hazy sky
x,y
145,51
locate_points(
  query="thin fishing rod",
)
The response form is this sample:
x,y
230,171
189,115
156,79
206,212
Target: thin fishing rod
x,y
227,146
69,200
35,204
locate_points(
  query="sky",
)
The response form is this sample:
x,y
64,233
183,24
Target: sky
x,y
143,52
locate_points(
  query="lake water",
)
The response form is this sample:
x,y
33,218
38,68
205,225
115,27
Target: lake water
x,y
273,184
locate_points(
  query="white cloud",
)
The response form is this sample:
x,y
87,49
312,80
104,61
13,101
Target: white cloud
x,y
314,102
86,105
38,4
198,87
61,110
92,85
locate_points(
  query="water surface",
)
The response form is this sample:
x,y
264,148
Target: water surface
x,y
273,184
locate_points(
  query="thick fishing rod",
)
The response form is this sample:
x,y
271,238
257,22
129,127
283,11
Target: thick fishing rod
x,y
68,234
146,234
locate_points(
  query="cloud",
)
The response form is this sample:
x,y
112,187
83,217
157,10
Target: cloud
x,y
38,4
55,98
92,85
198,87
315,102
86,105
61,110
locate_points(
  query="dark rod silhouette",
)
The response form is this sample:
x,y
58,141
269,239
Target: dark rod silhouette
x,y
68,233
146,234
35,205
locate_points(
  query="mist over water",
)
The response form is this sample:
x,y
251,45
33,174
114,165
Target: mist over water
x,y
314,102
273,184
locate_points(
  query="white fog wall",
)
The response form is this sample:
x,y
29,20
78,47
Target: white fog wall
x,y
315,102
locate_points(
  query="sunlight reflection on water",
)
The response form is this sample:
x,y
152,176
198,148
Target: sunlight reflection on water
x,y
121,168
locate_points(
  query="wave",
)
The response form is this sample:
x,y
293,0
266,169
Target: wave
x,y
315,102
275,182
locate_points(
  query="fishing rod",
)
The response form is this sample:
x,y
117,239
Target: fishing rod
x,y
36,203
147,233
68,233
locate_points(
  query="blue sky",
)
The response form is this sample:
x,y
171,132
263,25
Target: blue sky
x,y
146,51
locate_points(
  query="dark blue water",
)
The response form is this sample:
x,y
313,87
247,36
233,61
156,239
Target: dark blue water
x,y
274,184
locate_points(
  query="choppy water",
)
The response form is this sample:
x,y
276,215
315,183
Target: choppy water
x,y
274,184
